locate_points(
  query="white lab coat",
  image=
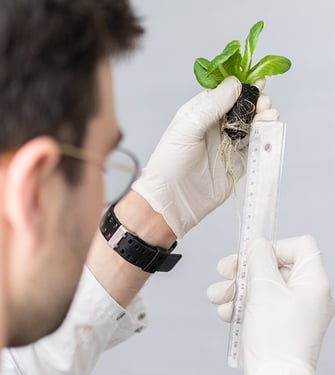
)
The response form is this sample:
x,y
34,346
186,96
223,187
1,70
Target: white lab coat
x,y
94,324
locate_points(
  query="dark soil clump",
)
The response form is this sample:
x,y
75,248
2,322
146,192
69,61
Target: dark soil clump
x,y
239,118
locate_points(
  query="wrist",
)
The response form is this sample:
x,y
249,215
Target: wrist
x,y
136,214
118,277
127,240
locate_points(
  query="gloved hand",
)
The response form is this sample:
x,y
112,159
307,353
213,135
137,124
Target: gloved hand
x,y
288,306
185,178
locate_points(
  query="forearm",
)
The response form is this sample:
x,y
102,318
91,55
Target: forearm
x,y
121,279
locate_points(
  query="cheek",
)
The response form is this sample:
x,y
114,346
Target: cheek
x,y
92,200
84,213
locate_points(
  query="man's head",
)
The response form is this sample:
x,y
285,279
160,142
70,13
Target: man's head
x,y
55,88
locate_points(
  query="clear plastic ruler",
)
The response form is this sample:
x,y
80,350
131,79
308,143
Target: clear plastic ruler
x,y
260,207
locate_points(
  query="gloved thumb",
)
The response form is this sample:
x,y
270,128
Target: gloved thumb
x,y
207,108
262,262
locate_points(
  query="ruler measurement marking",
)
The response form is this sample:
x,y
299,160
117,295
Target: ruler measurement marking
x,y
250,228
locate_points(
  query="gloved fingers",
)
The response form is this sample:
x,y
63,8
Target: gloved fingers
x,y
263,103
262,262
303,255
221,292
210,106
227,267
223,97
260,84
285,272
268,115
225,311
291,251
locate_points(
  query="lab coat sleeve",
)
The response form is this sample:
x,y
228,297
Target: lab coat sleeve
x,y
94,324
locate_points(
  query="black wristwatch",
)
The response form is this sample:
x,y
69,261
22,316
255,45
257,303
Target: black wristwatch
x,y
133,249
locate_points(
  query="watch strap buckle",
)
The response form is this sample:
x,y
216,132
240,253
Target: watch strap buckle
x,y
117,236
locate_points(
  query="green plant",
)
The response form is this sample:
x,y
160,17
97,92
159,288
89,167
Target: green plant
x,y
231,63
236,123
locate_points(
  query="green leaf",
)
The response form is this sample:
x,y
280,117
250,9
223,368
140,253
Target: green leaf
x,y
200,71
250,45
230,62
219,60
233,65
269,66
216,75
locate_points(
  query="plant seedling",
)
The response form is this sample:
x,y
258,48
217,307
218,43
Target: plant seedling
x,y
230,62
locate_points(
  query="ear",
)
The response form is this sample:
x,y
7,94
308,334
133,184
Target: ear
x,y
25,179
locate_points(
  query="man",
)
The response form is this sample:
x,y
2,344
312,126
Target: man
x,y
57,128
56,96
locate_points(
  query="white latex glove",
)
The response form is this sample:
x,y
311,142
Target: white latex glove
x,y
288,306
185,178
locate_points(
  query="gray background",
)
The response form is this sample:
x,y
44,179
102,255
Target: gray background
x,y
185,335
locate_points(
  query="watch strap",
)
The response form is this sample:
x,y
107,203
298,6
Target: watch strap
x,y
133,249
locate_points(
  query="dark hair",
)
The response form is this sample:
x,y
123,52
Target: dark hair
x,y
49,52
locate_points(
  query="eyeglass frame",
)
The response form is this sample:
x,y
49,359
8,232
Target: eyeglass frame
x,y
81,154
